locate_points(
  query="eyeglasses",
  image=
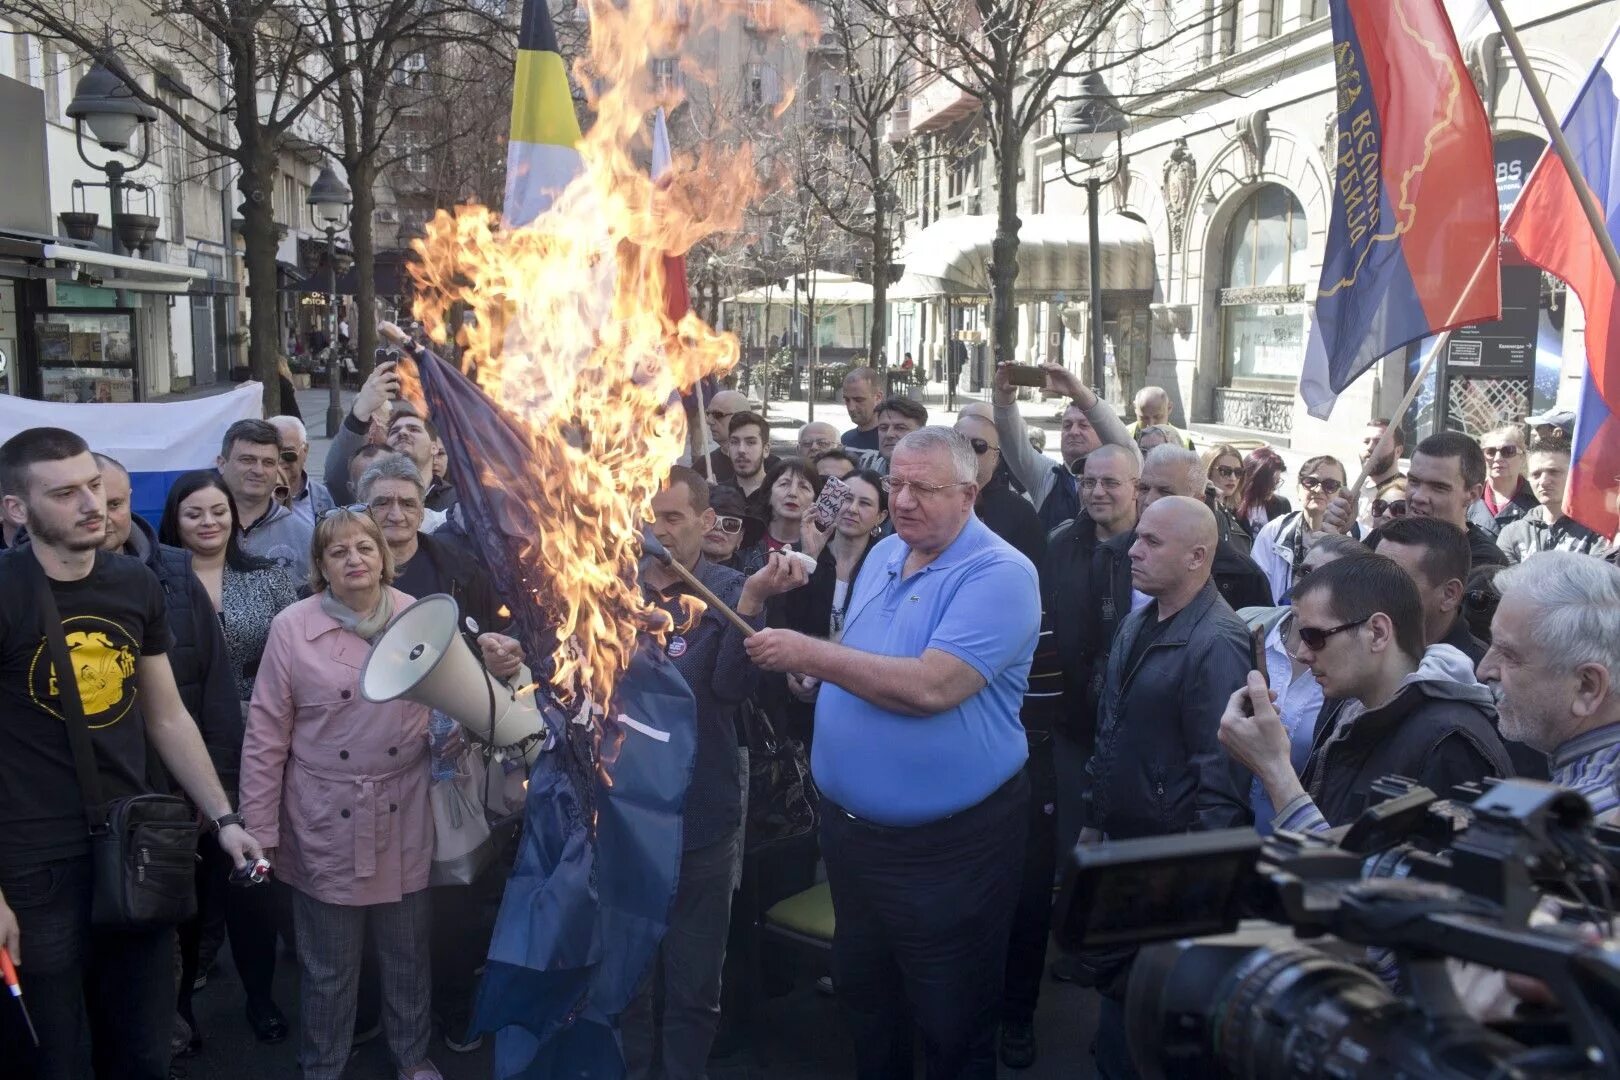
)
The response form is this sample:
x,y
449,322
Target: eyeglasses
x,y
1315,639
1107,483
917,487
1321,483
728,524
289,456
982,447
718,414
1394,508
352,508
1228,472
1506,453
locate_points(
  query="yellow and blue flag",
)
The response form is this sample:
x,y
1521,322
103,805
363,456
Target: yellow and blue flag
x,y
542,154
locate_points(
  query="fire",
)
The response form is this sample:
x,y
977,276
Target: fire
x,y
570,334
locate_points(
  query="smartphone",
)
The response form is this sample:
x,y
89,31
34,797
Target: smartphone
x,y
835,495
1025,375
1257,652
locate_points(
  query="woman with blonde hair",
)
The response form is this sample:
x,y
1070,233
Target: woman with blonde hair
x,y
1223,476
338,786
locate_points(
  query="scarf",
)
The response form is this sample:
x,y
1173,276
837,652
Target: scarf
x,y
366,627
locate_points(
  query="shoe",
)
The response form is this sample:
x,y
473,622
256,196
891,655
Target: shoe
x,y
1017,1048
267,1021
1063,970
824,985
426,1070
365,1035
459,1039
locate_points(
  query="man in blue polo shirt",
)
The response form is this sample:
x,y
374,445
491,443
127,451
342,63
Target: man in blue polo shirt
x,y
919,754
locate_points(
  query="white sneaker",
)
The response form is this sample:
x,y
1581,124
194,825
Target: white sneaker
x,y
425,1070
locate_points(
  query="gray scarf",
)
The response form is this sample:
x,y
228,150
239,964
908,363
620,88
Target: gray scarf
x,y
367,627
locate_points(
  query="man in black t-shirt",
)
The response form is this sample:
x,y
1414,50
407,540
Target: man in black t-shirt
x,y
120,982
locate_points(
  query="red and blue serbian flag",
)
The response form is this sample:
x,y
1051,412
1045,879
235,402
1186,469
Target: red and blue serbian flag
x,y
1550,231
542,153
1412,244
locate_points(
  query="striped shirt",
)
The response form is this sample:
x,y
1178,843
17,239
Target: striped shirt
x,y
1589,764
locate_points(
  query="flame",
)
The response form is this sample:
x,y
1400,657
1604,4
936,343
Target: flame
x,y
570,335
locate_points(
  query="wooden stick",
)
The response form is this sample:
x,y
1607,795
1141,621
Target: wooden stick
x,y
1560,145
708,597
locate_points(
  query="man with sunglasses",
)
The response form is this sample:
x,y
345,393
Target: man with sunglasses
x,y
1392,707
721,408
308,498
1008,514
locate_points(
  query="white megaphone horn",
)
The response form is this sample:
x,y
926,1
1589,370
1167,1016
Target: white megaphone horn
x,y
422,657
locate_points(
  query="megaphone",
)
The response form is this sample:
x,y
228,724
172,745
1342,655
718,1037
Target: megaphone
x,y
422,657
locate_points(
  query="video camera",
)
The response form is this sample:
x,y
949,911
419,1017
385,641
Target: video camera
x,y
1232,990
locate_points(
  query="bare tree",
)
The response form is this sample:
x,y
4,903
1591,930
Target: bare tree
x,y
262,56
865,75
1015,58
386,54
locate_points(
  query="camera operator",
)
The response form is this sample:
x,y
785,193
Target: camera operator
x,y
1554,657
1391,706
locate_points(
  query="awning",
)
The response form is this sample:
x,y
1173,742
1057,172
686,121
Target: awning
x,y
951,258
125,272
832,289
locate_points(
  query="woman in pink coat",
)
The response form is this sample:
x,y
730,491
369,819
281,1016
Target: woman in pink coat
x,y
338,787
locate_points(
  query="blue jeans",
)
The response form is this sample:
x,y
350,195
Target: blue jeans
x,y
119,983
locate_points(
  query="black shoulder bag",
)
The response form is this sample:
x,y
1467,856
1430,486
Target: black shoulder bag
x,y
143,848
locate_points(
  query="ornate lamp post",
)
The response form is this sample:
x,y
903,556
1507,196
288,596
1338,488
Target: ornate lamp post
x,y
329,199
1093,126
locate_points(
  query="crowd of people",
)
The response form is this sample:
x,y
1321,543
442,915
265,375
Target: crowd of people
x,y
993,655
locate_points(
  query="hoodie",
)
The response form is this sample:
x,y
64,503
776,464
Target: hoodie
x,y
282,537
1438,729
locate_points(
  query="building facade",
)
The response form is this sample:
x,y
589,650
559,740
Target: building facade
x,y
1223,187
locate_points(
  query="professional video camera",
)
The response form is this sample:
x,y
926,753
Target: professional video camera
x,y
1414,882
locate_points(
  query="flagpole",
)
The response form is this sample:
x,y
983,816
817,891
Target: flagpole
x,y
1492,257
1594,215
699,434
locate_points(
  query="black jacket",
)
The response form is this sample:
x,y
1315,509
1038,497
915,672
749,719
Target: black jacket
x,y
1011,517
459,574
1080,593
1241,583
197,657
1439,730
1159,766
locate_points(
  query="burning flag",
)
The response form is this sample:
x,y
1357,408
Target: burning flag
x,y
561,426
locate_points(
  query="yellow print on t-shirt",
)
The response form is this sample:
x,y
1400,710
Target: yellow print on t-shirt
x,y
103,661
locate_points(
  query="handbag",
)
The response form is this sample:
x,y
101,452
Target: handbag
x,y
783,802
462,842
143,848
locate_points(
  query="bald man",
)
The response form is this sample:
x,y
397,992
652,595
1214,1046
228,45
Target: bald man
x,y
816,438
720,409
1158,767
1008,514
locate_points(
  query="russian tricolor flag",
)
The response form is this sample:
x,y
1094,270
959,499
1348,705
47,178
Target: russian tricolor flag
x,y
1551,231
1412,246
155,441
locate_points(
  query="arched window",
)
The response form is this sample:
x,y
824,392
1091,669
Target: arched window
x,y
1263,308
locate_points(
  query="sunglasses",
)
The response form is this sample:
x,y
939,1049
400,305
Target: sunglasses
x,y
1394,508
1228,472
1321,483
1315,639
718,414
728,524
352,508
1507,453
982,447
289,456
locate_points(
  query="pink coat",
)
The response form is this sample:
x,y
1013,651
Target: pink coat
x,y
337,785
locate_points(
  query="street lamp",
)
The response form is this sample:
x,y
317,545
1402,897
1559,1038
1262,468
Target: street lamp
x,y
329,200
104,102
1085,134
